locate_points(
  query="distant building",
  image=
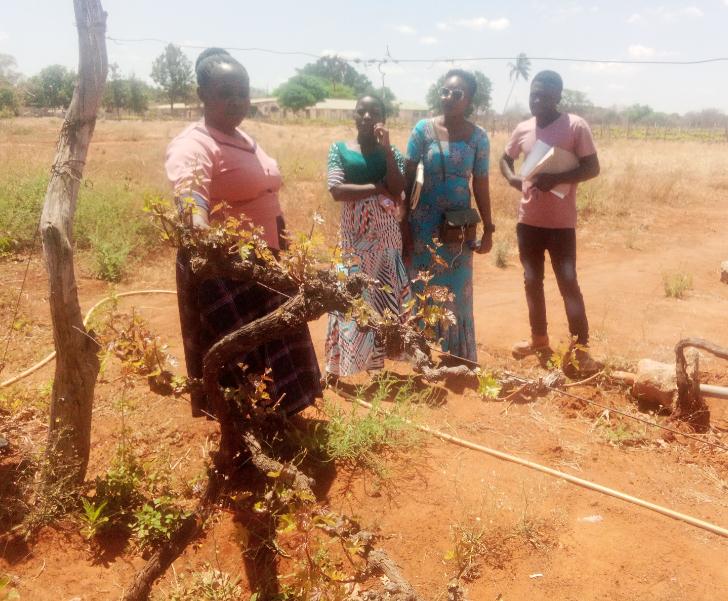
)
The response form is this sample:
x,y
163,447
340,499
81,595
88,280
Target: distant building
x,y
411,112
181,110
264,107
332,109
340,109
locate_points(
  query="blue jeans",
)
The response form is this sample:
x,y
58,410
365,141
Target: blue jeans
x,y
533,242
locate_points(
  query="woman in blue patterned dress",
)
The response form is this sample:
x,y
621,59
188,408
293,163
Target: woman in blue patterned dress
x,y
455,153
367,176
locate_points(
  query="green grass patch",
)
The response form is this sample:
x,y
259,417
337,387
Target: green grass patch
x,y
21,201
360,437
109,223
620,435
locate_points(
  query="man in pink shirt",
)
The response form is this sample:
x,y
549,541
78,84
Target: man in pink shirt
x,y
547,222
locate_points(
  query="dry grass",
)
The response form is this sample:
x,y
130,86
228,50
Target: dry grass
x,y
639,178
493,534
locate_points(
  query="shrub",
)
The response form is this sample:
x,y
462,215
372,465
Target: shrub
x,y
359,437
502,253
110,259
677,284
207,585
156,522
94,518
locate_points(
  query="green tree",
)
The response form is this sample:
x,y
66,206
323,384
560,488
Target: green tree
x,y
116,94
139,92
8,75
574,101
338,72
51,88
295,97
637,113
301,91
706,118
340,91
8,101
518,70
481,101
172,71
8,91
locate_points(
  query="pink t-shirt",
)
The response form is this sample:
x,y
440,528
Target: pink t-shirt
x,y
212,167
569,132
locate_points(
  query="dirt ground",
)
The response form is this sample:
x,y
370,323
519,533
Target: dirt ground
x,y
566,543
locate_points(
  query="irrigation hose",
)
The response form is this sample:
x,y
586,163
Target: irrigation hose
x,y
86,320
107,299
437,434
556,473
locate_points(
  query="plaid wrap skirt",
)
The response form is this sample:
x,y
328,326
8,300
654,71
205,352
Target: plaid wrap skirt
x,y
211,309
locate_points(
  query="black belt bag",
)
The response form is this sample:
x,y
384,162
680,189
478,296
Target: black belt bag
x,y
459,226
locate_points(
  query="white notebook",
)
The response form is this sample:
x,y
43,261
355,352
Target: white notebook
x,y
545,158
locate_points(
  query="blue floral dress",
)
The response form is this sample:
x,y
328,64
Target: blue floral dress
x,y
440,194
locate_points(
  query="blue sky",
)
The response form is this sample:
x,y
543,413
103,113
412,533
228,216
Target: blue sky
x,y
41,32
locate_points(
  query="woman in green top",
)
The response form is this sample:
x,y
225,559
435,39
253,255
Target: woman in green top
x,y
367,176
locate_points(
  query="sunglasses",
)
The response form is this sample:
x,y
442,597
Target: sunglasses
x,y
455,94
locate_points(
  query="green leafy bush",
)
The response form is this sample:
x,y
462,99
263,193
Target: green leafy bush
x,y
156,522
94,518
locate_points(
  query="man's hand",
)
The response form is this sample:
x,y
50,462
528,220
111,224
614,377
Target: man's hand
x,y
382,135
486,244
546,181
516,182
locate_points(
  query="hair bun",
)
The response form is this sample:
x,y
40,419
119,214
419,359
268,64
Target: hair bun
x,y
208,53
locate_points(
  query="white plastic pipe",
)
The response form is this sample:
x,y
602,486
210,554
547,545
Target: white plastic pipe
x,y
718,392
688,519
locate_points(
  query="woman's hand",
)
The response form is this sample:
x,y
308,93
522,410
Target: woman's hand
x,y
381,133
408,245
388,204
486,244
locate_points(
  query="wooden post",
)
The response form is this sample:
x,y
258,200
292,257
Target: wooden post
x,y
77,364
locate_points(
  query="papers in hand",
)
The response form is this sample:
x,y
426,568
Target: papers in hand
x,y
417,185
544,158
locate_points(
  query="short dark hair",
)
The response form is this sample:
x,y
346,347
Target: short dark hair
x,y
550,79
376,99
470,82
209,59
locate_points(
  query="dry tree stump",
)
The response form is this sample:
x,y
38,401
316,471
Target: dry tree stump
x,y
691,406
77,365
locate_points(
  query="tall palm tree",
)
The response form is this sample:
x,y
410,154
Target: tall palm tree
x,y
519,70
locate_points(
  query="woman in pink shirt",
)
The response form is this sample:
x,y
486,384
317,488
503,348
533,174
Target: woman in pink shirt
x,y
213,163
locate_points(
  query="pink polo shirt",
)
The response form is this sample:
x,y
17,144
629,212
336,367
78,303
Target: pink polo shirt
x,y
212,167
544,209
